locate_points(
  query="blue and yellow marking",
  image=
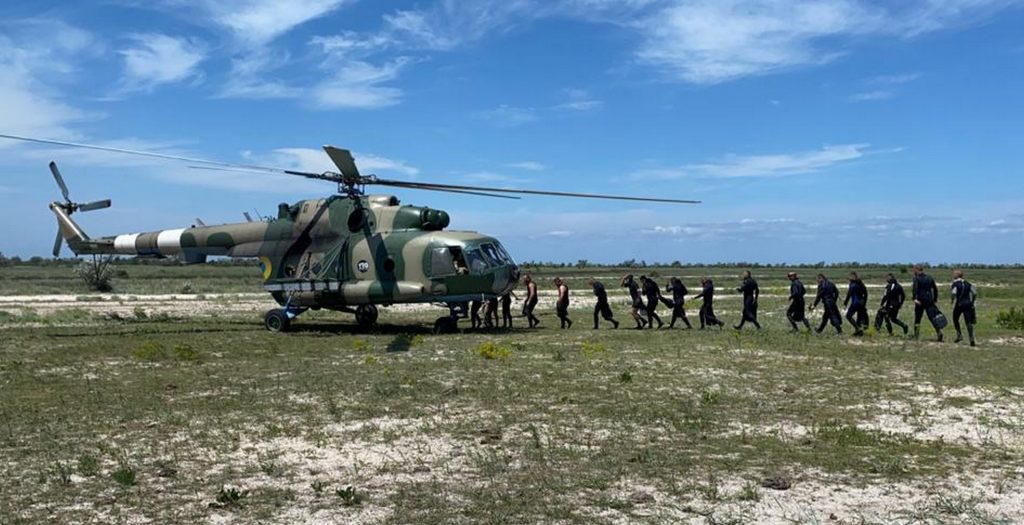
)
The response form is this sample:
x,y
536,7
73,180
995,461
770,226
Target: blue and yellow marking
x,y
266,267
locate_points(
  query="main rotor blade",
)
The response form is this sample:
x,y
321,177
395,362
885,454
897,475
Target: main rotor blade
x,y
56,244
60,181
95,205
415,186
431,185
156,155
342,158
243,169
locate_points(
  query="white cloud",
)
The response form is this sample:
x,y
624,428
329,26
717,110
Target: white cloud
x,y
713,41
507,116
358,85
893,79
257,22
877,94
528,165
708,42
34,65
372,163
157,59
579,100
735,166
450,23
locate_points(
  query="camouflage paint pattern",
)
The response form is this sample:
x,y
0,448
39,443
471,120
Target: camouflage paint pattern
x,y
335,252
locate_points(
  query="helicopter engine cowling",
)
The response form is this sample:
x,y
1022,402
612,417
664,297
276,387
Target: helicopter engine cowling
x,y
421,218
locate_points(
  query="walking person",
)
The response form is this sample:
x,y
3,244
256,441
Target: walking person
x,y
562,303
828,294
679,291
491,313
796,313
925,294
530,302
963,306
751,293
602,308
856,304
892,300
474,314
636,300
653,295
707,308
506,309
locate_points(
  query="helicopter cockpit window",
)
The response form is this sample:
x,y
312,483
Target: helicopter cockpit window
x,y
492,254
476,261
448,260
441,262
504,254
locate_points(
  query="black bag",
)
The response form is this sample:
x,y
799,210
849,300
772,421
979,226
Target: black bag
x,y
937,318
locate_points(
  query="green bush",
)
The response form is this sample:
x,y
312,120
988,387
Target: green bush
x,y
1012,319
489,350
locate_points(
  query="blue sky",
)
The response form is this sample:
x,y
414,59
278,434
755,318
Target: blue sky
x,y
830,130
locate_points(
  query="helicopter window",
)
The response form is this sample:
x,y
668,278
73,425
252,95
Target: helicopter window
x,y
477,263
492,254
447,261
504,254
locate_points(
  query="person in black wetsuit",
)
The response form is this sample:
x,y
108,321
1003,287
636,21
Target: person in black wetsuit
x,y
491,312
707,308
856,304
653,295
892,301
636,300
750,295
562,303
963,306
679,291
925,294
530,302
506,309
474,314
829,295
602,309
797,304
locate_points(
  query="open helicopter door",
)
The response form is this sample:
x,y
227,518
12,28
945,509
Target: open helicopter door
x,y
336,261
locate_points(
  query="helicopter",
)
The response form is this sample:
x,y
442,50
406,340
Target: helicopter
x,y
349,252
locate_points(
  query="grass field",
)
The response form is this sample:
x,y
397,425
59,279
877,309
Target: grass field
x,y
140,407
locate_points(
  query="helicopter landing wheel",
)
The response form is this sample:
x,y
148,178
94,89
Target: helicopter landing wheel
x,y
366,315
446,325
277,320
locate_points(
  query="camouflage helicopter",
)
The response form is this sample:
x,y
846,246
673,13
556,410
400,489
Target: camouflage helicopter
x,y
348,252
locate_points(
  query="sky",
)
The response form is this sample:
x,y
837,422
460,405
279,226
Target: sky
x,y
819,130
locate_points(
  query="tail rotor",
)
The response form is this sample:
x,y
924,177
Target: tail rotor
x,y
70,206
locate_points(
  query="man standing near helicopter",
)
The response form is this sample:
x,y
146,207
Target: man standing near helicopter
x,y
707,308
530,302
797,304
751,293
679,291
636,300
562,303
653,294
602,308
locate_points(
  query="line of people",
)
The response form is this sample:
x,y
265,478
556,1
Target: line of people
x,y
646,296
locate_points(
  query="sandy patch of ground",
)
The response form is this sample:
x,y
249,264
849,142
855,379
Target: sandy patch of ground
x,y
822,498
968,415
